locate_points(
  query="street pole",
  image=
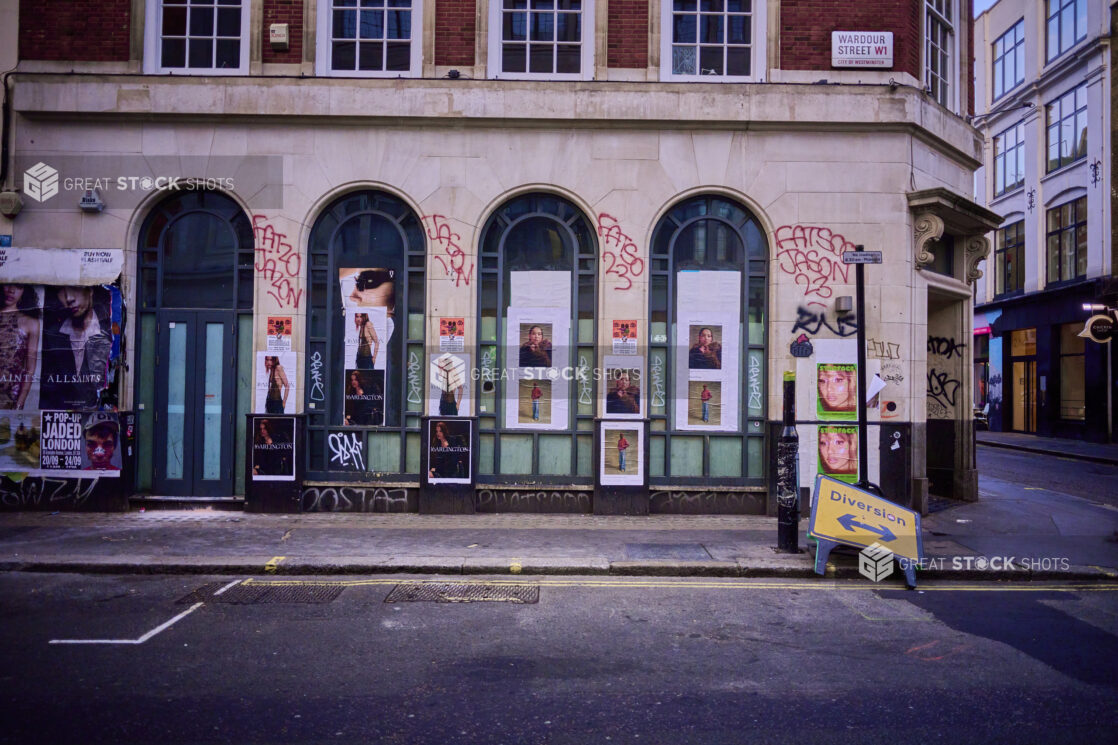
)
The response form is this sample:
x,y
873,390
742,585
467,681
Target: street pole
x,y
788,475
863,430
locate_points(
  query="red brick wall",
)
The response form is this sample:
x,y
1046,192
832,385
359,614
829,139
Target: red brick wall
x,y
455,29
291,13
806,26
627,33
80,30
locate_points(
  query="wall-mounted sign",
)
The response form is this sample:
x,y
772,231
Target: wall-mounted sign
x,y
1098,329
862,49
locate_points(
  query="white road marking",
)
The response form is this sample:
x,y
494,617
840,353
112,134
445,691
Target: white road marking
x,y
142,639
227,587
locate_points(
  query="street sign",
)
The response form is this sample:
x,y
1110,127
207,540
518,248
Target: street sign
x,y
861,257
1099,329
846,514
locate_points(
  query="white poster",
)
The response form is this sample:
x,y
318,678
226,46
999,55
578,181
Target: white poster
x,y
539,376
450,386
275,383
620,460
708,351
61,266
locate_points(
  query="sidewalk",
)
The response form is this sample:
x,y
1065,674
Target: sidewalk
x,y
1063,447
1070,539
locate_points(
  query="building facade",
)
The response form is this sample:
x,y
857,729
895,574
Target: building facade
x,y
531,254
1045,90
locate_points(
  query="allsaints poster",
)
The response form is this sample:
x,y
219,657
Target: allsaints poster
x,y
275,383
369,303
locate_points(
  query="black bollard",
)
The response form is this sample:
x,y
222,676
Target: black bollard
x,y
788,475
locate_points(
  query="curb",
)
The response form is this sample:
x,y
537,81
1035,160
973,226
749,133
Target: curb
x,y
529,567
1058,453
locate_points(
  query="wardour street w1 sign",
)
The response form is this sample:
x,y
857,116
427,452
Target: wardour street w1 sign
x,y
842,513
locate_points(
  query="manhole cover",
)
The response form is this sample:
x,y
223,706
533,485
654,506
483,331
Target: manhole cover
x,y
256,594
463,592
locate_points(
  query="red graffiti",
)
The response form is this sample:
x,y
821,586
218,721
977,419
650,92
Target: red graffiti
x,y
277,262
454,263
813,256
624,263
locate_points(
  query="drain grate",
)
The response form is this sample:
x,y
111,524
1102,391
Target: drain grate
x,y
463,592
259,594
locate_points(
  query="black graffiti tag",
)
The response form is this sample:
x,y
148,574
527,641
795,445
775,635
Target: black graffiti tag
x,y
942,388
812,322
945,347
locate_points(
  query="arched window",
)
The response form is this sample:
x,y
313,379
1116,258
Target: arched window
x,y
194,345
707,345
364,368
536,310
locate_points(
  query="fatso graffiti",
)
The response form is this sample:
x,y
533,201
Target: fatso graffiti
x,y
277,263
813,258
453,259
882,350
619,252
813,321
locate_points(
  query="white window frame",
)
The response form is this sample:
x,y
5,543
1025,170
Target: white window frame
x,y
587,43
324,48
951,76
153,48
757,61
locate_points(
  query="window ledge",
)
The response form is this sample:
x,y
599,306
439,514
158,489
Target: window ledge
x,y
1006,195
1082,160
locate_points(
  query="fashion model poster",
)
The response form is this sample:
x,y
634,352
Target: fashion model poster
x,y
837,391
273,449
838,452
450,390
275,383
538,377
449,455
621,457
369,304
708,376
622,381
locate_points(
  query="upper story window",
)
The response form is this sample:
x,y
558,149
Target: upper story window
x,y
1009,258
1009,60
551,39
1067,24
939,50
1067,128
197,36
1009,159
1067,241
709,39
369,38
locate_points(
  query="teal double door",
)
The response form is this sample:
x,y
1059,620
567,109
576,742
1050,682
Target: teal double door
x,y
195,403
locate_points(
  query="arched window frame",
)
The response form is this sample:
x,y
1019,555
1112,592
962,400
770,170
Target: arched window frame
x,y
663,338
492,309
392,449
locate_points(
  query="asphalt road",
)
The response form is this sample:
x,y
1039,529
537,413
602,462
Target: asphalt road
x,y
595,660
1095,481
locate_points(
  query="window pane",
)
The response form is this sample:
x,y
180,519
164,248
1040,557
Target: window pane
x,y
228,53
725,457
174,53
372,24
229,22
201,21
515,58
201,53
687,456
710,60
1081,251
370,56
555,454
174,21
710,29
515,27
568,58
568,26
345,24
398,56
1073,401
516,454
684,60
1054,258
683,29
543,27
345,55
399,24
